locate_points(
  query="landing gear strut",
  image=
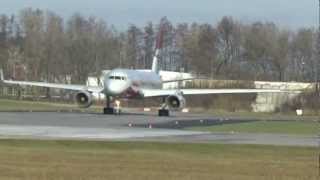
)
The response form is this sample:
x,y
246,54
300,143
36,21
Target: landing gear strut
x,y
164,112
108,109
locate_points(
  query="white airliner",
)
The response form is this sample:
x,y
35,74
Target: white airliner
x,y
125,83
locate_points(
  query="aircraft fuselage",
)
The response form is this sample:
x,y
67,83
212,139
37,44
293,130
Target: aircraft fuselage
x,y
127,83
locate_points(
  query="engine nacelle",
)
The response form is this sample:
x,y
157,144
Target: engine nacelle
x,y
176,102
84,99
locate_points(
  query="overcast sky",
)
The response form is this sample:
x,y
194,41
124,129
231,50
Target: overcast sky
x,y
286,13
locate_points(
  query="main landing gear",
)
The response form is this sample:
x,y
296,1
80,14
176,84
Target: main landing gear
x,y
164,112
108,109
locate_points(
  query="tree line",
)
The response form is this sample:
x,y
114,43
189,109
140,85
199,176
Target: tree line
x,y
51,48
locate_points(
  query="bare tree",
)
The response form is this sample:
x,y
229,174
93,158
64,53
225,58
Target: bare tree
x,y
149,40
54,50
229,39
32,23
301,64
79,48
280,53
182,32
4,20
134,57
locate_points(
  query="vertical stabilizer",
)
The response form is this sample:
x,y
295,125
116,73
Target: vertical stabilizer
x,y
155,62
159,44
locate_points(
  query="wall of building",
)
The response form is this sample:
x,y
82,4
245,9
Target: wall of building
x,y
270,102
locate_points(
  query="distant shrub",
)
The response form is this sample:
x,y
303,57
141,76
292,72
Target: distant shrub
x,y
308,100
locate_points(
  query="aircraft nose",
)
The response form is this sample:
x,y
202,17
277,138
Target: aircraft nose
x,y
115,88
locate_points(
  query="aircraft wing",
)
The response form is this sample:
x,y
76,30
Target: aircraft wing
x,y
160,93
179,80
56,86
51,85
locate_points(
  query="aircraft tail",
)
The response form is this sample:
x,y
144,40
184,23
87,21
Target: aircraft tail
x,y
159,45
155,62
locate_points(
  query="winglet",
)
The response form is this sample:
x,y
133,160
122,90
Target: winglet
x,y
1,75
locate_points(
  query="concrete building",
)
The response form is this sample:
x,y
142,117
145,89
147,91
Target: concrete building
x,y
270,102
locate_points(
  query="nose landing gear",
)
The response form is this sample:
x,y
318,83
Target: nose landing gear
x,y
112,110
108,109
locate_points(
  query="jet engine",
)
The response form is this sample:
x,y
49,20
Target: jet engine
x,y
176,101
84,99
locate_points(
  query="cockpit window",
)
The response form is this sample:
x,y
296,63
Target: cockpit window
x,y
118,78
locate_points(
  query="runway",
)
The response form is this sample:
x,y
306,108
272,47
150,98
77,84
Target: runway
x,y
133,127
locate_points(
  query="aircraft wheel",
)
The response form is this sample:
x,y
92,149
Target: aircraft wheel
x,y
163,113
108,111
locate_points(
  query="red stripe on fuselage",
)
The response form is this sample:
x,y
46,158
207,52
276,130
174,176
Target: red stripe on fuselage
x,y
132,92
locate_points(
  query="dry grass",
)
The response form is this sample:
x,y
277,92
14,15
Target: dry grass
x,y
103,160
